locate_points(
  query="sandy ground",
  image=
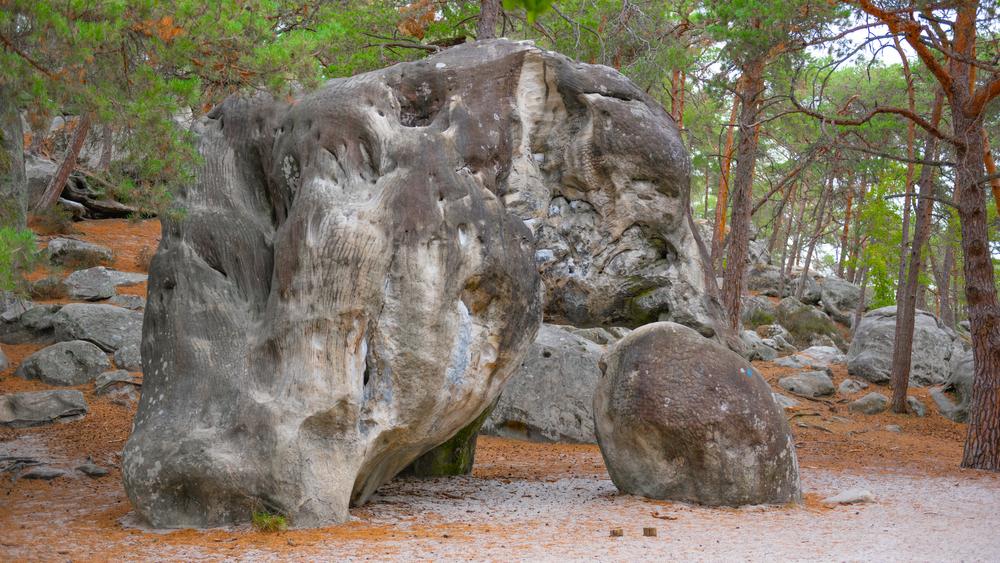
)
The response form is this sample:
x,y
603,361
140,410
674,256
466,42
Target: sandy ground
x,y
528,501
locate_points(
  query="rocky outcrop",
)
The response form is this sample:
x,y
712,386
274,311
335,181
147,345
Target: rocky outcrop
x,y
840,298
66,363
870,353
353,281
550,397
36,408
679,417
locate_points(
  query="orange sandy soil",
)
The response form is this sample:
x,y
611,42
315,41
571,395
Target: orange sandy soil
x,y
78,518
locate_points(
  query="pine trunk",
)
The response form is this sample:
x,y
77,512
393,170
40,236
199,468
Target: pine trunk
x,y
58,182
107,145
906,293
489,15
722,199
746,158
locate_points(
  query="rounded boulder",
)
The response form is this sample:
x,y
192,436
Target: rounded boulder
x,y
679,417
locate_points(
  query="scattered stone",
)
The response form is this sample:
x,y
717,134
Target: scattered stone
x,y
4,362
92,470
42,472
550,397
35,408
851,386
851,496
784,401
814,357
756,348
758,311
809,384
129,357
870,353
111,380
71,252
916,407
65,363
27,323
672,413
107,326
133,302
893,428
872,403
803,321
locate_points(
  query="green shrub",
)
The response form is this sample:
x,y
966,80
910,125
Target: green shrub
x,y
18,255
269,523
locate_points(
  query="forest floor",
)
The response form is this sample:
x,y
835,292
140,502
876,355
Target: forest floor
x,y
527,500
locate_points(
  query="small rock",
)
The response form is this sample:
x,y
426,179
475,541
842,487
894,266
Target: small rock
x,y
4,363
872,403
808,384
110,380
21,410
92,470
70,252
784,401
893,428
133,302
756,348
916,407
96,284
66,363
852,496
851,386
814,357
42,473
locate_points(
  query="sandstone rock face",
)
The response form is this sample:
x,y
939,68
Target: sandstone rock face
x,y
67,363
355,277
808,384
95,284
804,322
872,403
870,354
550,398
679,417
840,299
107,326
71,252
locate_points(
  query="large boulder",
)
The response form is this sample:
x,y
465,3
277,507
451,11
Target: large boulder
x,y
804,322
38,172
107,326
757,311
813,357
679,417
352,281
959,383
550,398
25,322
811,293
766,280
35,408
755,348
840,299
66,363
870,354
810,384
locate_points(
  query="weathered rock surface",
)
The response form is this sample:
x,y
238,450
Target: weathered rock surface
x,y
766,280
810,384
550,397
777,337
42,473
679,417
115,379
784,401
811,293
129,357
756,348
133,302
72,252
840,299
960,383
813,357
757,311
28,323
339,299
872,403
65,363
870,353
851,496
35,408
916,407
804,322
92,470
851,386
107,326
95,284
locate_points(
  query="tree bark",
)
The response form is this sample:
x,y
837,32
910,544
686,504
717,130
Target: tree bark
x,y
722,199
489,15
746,158
902,349
859,311
817,234
991,169
58,182
13,185
844,236
107,145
